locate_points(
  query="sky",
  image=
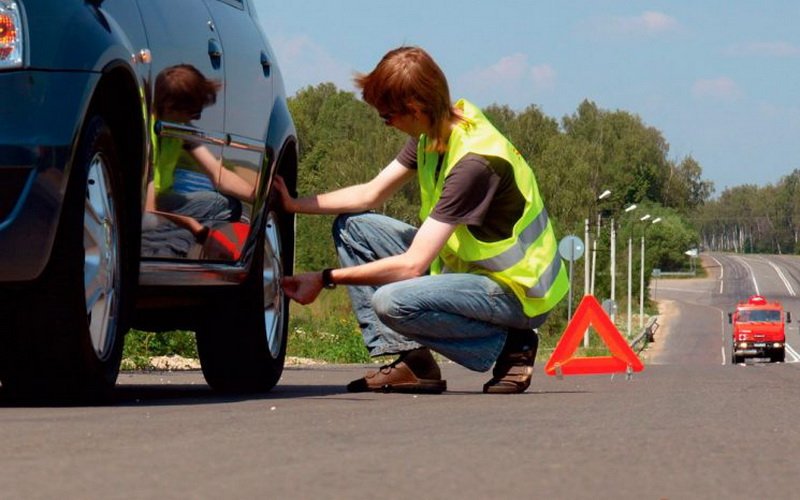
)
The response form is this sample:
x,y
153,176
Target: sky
x,y
719,79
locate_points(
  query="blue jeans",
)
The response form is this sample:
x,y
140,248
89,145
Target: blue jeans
x,y
464,317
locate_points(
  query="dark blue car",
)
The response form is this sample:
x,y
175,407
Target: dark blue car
x,y
138,143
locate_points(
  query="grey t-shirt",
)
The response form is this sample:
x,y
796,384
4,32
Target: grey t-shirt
x,y
480,193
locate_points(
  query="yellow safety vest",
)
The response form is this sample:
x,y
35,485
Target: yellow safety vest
x,y
166,151
527,261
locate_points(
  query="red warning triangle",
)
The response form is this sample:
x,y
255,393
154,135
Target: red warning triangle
x,y
588,313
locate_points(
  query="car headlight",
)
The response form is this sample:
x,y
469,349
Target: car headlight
x,y
11,35
742,345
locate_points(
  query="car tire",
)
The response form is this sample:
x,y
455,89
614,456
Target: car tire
x,y
242,342
68,336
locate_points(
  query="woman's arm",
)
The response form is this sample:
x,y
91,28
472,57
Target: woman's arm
x,y
351,199
429,240
225,180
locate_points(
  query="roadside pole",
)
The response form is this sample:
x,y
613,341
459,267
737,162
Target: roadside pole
x,y
570,248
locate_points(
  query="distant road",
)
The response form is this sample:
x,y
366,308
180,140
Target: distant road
x,y
704,305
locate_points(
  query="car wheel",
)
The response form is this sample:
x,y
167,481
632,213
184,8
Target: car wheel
x,y
242,344
70,332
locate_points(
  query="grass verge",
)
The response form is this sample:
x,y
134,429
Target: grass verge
x,y
328,331
141,347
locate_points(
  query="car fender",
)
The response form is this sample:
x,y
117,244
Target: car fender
x,y
73,35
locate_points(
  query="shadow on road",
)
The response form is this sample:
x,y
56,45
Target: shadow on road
x,y
174,395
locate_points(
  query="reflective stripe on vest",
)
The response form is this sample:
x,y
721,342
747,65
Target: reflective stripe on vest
x,y
517,252
546,280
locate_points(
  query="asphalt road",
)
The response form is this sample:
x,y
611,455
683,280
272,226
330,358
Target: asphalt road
x,y
690,426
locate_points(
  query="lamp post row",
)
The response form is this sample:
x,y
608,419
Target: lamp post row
x,y
590,267
641,274
627,209
589,285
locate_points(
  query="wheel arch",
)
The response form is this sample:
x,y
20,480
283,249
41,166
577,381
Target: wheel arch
x,y
120,101
282,137
282,153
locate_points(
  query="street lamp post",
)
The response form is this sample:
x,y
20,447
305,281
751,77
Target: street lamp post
x,y
586,263
630,266
641,278
605,194
613,256
630,289
591,267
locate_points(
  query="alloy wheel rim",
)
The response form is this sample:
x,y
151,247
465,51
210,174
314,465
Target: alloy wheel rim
x,y
274,298
101,269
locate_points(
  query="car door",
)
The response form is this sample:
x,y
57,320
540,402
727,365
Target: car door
x,y
248,87
248,104
183,201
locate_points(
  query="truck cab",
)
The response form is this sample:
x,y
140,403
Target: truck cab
x,y
758,330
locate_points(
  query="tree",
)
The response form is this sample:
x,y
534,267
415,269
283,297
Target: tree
x,y
633,161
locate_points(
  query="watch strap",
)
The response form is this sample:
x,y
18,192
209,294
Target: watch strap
x,y
327,279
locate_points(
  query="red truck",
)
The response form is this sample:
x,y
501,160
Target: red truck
x,y
758,330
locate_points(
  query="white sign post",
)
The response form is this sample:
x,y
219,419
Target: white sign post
x,y
570,248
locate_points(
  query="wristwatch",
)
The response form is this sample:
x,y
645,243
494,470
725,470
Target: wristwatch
x,y
327,279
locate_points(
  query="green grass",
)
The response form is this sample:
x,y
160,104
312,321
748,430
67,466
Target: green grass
x,y
326,330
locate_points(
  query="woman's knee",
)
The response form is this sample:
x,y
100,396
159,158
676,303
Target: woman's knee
x,y
339,227
388,306
344,225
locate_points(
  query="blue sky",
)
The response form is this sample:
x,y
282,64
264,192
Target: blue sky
x,y
720,79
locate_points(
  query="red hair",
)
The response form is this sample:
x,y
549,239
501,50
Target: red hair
x,y
409,75
184,88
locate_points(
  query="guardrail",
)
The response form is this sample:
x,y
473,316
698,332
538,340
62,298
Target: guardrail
x,y
676,274
646,336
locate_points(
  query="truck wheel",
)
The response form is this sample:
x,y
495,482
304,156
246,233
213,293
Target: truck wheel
x,y
778,356
242,344
69,336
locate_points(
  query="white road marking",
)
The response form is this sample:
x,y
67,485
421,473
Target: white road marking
x,y
721,273
722,329
783,278
794,354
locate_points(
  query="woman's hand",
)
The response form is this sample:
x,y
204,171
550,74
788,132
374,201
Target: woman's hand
x,y
287,202
303,288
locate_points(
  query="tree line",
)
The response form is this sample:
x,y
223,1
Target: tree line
x,y
753,219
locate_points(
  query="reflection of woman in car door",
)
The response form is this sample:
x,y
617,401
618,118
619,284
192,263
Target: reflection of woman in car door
x,y
188,198
181,93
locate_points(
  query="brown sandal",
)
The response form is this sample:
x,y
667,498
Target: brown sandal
x,y
513,370
405,374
